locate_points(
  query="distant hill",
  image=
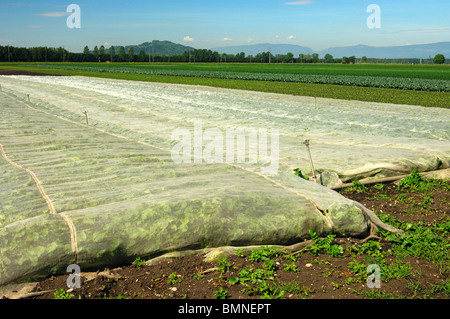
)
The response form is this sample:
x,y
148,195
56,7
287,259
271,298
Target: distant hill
x,y
254,49
157,47
389,52
395,52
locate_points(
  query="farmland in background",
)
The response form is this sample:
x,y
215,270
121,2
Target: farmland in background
x,y
425,85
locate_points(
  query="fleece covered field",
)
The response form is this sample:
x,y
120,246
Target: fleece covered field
x,y
90,176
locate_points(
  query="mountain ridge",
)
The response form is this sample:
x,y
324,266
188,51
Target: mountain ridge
x,y
405,51
425,51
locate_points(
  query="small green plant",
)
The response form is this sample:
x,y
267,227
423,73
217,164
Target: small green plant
x,y
174,278
358,187
403,198
291,267
359,269
381,196
290,257
224,265
293,287
372,248
335,286
299,173
221,293
414,182
269,265
441,288
240,253
327,272
62,294
122,297
324,245
254,276
349,280
198,276
263,253
138,262
378,186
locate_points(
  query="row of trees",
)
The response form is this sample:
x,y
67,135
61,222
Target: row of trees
x,y
119,54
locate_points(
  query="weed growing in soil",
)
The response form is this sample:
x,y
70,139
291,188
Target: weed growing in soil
x,y
325,245
62,294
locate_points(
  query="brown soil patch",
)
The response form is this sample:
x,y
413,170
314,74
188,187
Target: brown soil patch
x,y
20,72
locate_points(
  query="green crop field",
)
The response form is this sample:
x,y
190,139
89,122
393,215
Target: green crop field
x,y
426,85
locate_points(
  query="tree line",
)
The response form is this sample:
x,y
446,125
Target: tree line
x,y
119,54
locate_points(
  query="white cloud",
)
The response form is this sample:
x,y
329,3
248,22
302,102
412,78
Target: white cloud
x,y
299,3
188,39
291,37
227,39
249,40
53,14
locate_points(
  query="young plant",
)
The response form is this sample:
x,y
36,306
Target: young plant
x,y
414,182
138,262
299,173
291,267
322,245
174,278
224,265
358,187
62,294
263,253
221,293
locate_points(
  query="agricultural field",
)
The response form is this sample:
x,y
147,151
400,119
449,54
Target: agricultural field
x,y
414,266
89,177
425,85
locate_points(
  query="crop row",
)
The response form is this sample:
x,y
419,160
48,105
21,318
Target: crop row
x,y
349,80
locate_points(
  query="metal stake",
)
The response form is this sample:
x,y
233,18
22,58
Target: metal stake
x,y
87,121
310,160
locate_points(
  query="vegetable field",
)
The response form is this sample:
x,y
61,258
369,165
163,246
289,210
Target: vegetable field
x,y
89,177
393,82
425,85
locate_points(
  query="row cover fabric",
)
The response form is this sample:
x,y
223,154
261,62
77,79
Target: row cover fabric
x,y
105,193
349,140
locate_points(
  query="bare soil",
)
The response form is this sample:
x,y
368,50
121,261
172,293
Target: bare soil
x,y
21,72
316,277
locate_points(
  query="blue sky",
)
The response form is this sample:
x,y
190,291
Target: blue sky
x,y
317,24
